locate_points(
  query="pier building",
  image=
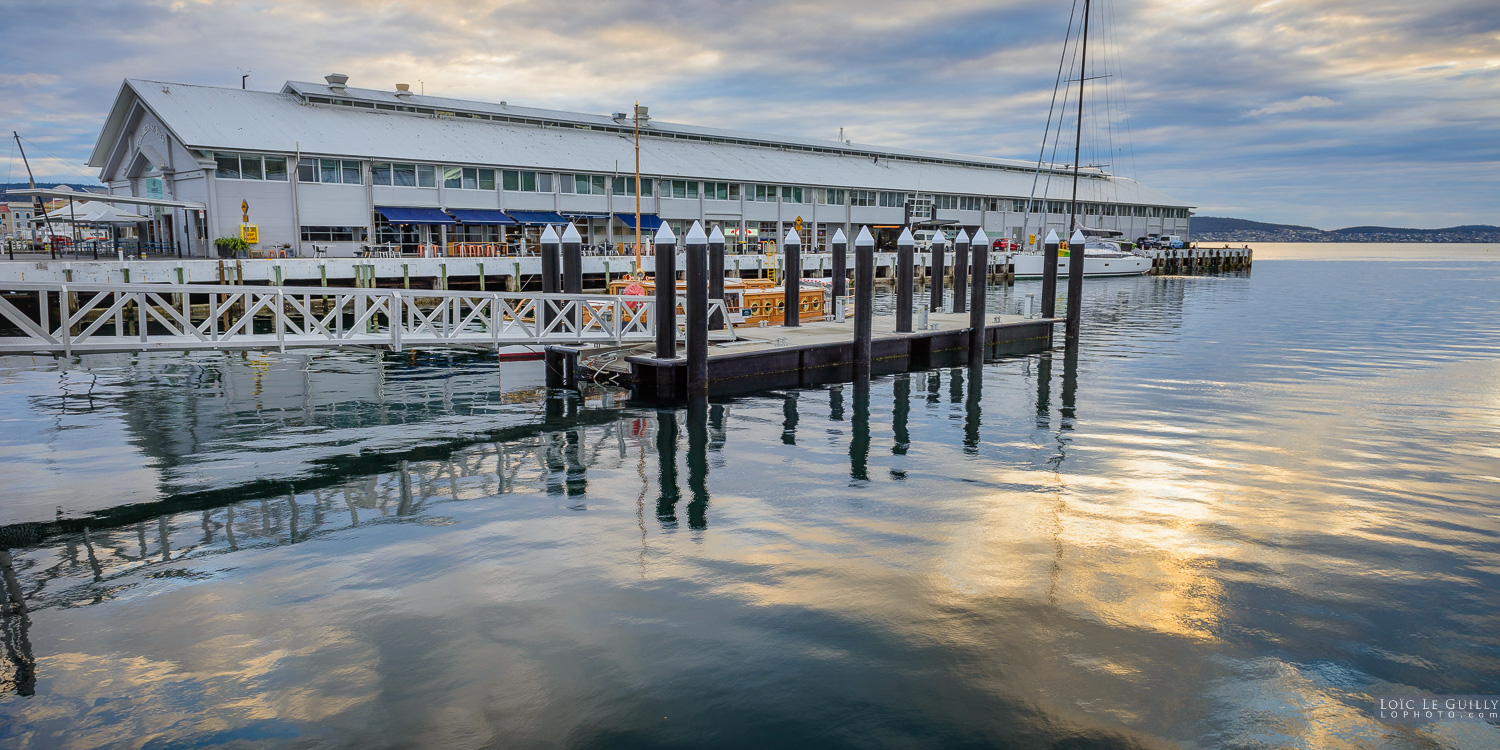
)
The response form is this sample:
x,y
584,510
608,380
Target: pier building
x,y
327,168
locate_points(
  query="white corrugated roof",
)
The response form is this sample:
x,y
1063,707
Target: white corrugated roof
x,y
226,119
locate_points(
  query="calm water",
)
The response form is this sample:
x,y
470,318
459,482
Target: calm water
x,y
1250,503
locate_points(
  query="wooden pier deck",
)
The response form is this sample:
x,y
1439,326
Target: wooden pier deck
x,y
823,352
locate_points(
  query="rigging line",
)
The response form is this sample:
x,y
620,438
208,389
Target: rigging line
x,y
64,162
1124,104
1042,152
1057,138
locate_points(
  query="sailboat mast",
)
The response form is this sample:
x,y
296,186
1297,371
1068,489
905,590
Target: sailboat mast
x,y
36,199
1083,65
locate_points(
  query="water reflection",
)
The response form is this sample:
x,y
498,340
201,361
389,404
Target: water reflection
x,y
1195,571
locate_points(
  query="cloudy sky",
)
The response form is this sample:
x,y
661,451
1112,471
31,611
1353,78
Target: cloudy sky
x,y
1323,112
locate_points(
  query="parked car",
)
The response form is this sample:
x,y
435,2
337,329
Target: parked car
x,y
1005,246
1170,241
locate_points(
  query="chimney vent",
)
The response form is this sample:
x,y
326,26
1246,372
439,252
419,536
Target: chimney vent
x,y
336,81
403,90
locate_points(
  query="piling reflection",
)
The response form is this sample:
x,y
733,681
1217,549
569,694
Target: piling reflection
x,y
973,409
859,442
901,412
789,419
666,459
697,461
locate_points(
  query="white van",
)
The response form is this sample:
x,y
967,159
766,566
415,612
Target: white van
x,y
922,239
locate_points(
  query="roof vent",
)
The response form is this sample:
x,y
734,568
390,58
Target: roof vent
x,y
619,116
336,81
403,90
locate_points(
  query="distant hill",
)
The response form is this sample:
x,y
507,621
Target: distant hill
x,y
6,187
1205,224
1225,229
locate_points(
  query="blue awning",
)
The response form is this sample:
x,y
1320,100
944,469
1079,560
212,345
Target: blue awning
x,y
480,216
397,215
537,217
649,222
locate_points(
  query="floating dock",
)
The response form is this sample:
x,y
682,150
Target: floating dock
x,y
809,354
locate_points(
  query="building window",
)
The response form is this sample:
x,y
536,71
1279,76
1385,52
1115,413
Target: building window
x,y
893,200
862,198
583,184
626,186
791,194
679,188
516,181
721,191
473,178
333,234
250,167
761,193
543,182
830,196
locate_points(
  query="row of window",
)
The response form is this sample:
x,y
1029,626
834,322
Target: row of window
x,y
398,174
251,166
333,234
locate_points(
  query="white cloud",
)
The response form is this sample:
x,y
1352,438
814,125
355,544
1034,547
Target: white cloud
x,y
1294,105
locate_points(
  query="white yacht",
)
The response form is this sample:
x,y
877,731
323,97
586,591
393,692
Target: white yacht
x,y
1101,257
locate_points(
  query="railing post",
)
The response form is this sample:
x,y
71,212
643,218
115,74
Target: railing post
x,y
572,271
65,311
396,325
280,315
666,293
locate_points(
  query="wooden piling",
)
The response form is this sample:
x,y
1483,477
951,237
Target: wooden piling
x,y
666,293
840,250
937,270
864,302
716,276
1049,276
1076,245
960,271
697,311
791,279
904,271
978,285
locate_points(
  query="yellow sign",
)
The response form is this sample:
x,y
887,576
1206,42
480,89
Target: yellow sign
x,y
1031,239
250,233
799,225
245,211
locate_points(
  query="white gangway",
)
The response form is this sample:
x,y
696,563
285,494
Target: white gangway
x,y
85,318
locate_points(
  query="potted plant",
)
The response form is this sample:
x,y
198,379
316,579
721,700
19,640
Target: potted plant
x,y
229,247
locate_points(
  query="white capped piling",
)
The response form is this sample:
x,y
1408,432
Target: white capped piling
x,y
864,302
1076,246
572,260
960,271
550,246
791,279
839,247
978,281
666,293
716,275
904,259
938,269
1049,276
697,311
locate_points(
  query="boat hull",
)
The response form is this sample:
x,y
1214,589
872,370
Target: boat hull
x,y
1030,266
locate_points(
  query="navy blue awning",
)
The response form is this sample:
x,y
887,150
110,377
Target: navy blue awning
x,y
397,215
480,216
537,217
650,222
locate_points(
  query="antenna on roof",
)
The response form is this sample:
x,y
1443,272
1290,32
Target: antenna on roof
x,y
244,74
